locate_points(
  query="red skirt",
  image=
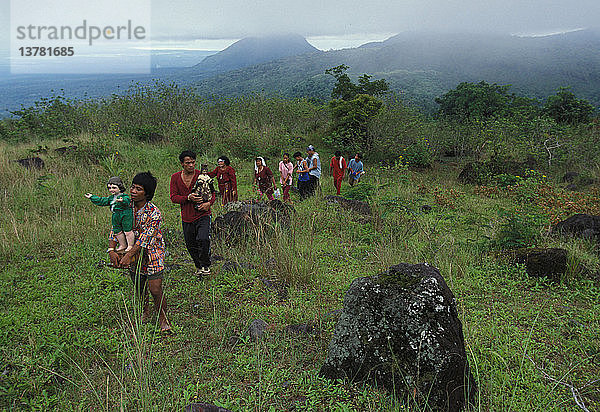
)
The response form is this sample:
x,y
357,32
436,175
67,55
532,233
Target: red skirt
x,y
227,194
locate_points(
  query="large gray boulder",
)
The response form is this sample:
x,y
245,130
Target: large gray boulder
x,y
401,330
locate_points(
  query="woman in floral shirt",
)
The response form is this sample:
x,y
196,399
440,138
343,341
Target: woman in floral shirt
x,y
149,246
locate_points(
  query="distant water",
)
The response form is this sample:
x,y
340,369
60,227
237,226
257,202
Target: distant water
x,y
17,91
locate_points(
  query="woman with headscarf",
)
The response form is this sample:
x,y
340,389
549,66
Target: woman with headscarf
x,y
225,175
263,179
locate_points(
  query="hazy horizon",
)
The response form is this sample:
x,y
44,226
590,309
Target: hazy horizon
x,y
201,25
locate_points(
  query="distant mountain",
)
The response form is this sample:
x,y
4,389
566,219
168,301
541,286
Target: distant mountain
x,y
255,50
423,66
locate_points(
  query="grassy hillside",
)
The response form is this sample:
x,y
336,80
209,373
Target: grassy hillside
x,y
71,337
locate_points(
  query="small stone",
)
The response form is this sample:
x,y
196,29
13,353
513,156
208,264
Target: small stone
x,y
580,224
539,262
234,340
65,149
303,329
278,286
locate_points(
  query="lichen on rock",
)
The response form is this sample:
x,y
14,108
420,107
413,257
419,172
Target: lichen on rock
x,y
401,330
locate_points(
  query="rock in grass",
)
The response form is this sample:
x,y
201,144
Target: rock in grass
x,y
241,217
277,286
256,330
308,328
231,226
32,163
570,177
233,266
541,262
401,330
583,225
204,407
354,205
65,149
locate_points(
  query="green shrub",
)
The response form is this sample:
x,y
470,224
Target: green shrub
x,y
362,192
418,154
143,133
518,230
191,135
505,179
51,117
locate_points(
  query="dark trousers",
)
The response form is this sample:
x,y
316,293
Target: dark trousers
x,y
303,188
197,241
312,186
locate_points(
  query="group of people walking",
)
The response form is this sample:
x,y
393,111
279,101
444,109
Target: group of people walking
x,y
138,244
308,171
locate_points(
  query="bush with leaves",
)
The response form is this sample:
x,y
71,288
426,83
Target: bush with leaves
x,y
419,154
484,101
362,192
51,117
519,229
566,108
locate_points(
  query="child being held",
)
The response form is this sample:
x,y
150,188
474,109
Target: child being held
x,y
203,187
122,214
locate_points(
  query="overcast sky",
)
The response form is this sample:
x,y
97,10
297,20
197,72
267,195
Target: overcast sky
x,y
193,19
214,25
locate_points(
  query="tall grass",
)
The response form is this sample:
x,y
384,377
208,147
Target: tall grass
x,y
62,312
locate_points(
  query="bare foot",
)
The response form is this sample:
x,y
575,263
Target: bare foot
x,y
165,326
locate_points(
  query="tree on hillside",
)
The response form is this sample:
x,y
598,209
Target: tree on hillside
x,y
352,107
565,108
346,90
483,101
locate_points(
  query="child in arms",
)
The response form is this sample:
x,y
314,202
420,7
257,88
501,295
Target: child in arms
x,y
122,214
203,187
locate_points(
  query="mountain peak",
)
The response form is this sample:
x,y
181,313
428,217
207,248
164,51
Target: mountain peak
x,y
255,50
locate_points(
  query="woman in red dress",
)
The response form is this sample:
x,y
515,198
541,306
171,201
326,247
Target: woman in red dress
x,y
225,175
263,179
